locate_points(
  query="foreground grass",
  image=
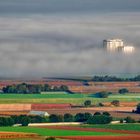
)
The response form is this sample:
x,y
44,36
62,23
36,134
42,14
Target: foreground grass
x,y
55,132
133,127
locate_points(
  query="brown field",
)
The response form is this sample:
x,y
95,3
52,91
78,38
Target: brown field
x,y
123,104
12,135
101,138
9,113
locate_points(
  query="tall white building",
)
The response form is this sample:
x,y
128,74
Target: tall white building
x,y
117,45
113,45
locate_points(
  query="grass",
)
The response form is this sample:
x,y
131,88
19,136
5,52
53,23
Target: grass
x,y
63,97
133,127
55,132
41,96
125,96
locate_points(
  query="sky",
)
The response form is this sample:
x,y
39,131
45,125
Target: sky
x,y
40,38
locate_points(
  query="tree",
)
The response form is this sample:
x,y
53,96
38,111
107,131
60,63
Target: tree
x,y
56,118
100,119
97,113
6,121
106,113
138,108
115,103
68,117
123,91
87,103
64,88
47,87
80,117
25,121
87,116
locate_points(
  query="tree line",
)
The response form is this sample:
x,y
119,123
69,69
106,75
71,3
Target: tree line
x,y
33,89
24,120
114,79
88,118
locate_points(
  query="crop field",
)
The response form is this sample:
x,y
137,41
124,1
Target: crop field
x,y
125,134
132,127
55,132
63,97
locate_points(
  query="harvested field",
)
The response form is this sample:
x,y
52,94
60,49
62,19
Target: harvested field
x,y
9,113
129,127
7,135
49,106
124,104
101,138
118,109
15,107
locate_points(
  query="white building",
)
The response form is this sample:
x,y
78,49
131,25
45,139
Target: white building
x,y
113,45
117,45
39,113
128,49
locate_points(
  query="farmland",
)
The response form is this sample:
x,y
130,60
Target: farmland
x,y
56,132
62,97
104,132
132,127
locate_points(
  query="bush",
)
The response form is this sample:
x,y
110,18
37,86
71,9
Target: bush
x,y
103,94
121,120
115,103
100,119
51,138
87,103
123,91
138,108
100,104
129,120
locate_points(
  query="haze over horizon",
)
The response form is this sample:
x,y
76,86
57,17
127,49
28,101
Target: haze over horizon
x,y
40,38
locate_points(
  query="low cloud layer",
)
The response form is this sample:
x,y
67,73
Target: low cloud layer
x,y
40,45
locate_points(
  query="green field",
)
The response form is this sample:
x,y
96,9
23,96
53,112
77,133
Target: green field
x,y
133,127
62,97
55,132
